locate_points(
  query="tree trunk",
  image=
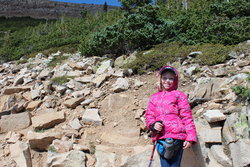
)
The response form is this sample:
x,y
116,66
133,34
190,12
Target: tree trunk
x,y
185,4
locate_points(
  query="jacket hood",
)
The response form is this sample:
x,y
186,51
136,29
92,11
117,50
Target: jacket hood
x,y
175,84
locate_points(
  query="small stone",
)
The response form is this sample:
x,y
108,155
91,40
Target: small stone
x,y
20,152
91,116
75,124
33,105
74,102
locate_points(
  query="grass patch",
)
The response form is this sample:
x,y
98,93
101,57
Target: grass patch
x,y
39,130
57,60
91,148
23,61
167,53
61,80
52,149
72,48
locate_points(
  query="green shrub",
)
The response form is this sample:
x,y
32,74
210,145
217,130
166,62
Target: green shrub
x,y
215,22
167,53
234,8
212,53
139,30
113,32
66,31
242,91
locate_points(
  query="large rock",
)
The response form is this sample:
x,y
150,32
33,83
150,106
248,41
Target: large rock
x,y
61,146
12,137
100,79
74,102
235,128
242,63
75,73
141,158
121,84
11,90
80,93
104,67
211,161
14,122
240,152
20,152
46,73
41,140
138,83
194,156
72,158
207,87
33,105
75,124
3,101
18,80
48,120
220,156
117,103
60,89
79,65
119,61
123,137
87,102
208,134
241,76
214,116
35,93
191,70
91,116
219,72
85,79
104,157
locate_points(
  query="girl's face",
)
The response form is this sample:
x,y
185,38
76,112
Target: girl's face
x,y
167,80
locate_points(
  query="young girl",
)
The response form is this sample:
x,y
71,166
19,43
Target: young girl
x,y
169,115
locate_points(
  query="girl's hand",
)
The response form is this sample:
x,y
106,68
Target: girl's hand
x,y
158,126
187,144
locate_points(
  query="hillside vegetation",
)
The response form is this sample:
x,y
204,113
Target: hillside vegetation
x,y
218,25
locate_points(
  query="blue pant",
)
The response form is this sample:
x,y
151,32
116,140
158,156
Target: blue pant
x,y
176,160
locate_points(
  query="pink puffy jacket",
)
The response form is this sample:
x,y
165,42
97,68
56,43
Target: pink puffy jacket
x,y
172,108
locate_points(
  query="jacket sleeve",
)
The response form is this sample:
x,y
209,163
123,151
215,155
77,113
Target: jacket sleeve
x,y
150,114
186,117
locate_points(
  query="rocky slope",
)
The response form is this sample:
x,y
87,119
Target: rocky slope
x,y
45,8
95,117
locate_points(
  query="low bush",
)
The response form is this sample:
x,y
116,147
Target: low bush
x,y
243,91
167,53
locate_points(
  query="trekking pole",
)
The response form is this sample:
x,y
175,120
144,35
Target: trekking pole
x,y
153,151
